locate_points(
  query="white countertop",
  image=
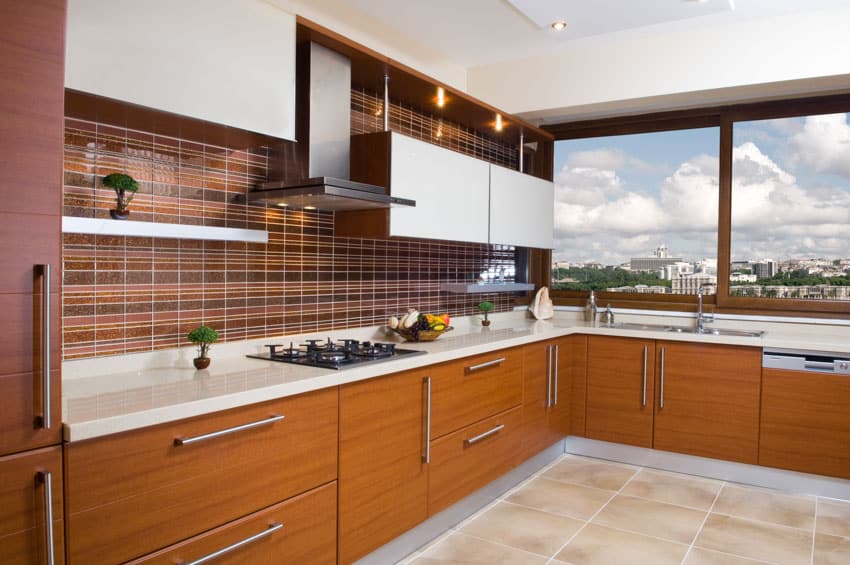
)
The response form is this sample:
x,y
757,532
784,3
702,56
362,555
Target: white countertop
x,y
108,395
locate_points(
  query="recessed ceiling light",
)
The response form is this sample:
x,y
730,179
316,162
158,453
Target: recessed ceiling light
x,y
499,125
559,25
441,96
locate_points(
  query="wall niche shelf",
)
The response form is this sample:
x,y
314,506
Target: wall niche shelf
x,y
475,288
98,226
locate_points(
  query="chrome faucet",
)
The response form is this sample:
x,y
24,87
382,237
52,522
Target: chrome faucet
x,y
702,318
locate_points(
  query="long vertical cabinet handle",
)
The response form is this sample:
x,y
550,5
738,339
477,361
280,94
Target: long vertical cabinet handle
x,y
45,346
661,383
643,389
426,432
548,376
46,477
555,366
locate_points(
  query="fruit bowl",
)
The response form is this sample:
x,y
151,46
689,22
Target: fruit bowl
x,y
411,334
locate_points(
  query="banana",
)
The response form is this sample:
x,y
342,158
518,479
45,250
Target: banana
x,y
410,319
393,322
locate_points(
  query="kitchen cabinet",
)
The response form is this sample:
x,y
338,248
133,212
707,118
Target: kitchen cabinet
x,y
521,209
707,400
620,389
804,422
458,198
553,389
215,60
383,460
30,498
32,49
295,532
132,493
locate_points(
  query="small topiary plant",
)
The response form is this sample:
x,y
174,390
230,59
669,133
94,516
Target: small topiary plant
x,y
486,307
125,188
202,336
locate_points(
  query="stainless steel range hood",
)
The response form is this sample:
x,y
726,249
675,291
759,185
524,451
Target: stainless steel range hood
x,y
324,107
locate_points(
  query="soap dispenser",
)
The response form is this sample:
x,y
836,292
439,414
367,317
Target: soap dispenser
x,y
590,308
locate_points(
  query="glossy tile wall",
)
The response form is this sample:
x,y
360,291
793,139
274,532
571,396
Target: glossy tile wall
x,y
129,294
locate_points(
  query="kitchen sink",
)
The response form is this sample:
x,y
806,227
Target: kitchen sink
x,y
636,326
715,331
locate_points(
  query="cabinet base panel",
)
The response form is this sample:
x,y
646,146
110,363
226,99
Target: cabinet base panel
x,y
436,525
757,475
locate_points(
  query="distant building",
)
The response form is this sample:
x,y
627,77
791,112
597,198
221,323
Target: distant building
x,y
764,269
672,271
656,262
741,266
813,292
641,289
688,284
742,277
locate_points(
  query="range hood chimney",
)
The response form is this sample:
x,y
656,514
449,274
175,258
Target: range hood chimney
x,y
324,133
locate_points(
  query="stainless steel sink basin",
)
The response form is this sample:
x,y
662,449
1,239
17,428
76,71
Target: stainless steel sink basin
x,y
715,331
636,326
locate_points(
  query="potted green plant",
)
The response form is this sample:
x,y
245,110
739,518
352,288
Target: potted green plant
x,y
125,188
486,307
202,336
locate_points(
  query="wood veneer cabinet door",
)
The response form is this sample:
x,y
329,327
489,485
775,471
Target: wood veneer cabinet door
x,y
470,458
536,397
136,492
620,389
566,416
299,531
383,476
805,422
474,388
23,506
707,400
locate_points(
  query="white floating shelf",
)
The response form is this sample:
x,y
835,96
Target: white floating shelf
x,y
98,226
475,288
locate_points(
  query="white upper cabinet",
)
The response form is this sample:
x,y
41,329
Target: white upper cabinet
x,y
451,192
521,209
225,61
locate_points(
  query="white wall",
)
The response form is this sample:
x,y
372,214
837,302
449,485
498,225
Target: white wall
x,y
716,63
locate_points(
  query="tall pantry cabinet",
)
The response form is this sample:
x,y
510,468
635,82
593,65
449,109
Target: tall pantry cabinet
x,y
32,48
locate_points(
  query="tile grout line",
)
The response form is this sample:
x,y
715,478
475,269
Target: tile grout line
x,y
595,514
704,520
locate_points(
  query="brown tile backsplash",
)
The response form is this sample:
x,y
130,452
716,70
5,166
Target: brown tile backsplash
x,y
129,294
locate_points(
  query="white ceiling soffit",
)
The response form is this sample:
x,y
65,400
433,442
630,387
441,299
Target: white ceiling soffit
x,y
586,18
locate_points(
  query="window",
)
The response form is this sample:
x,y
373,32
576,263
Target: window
x,y
790,231
637,213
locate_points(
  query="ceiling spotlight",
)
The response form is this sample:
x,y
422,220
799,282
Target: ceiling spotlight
x,y
559,25
499,122
441,96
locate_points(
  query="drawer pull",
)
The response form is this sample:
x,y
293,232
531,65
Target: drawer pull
x,y
643,387
486,364
271,529
661,383
45,419
46,477
178,441
485,435
555,366
548,376
426,440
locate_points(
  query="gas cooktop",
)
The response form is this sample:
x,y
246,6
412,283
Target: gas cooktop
x,y
333,354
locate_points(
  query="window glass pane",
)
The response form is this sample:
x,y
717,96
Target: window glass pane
x,y
637,213
791,208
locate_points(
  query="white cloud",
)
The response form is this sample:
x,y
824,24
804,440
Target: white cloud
x,y
823,143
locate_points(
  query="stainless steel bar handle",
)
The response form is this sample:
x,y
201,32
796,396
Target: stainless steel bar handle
x,y
548,376
643,390
271,529
178,441
46,477
426,448
819,365
555,365
45,346
485,435
486,364
661,383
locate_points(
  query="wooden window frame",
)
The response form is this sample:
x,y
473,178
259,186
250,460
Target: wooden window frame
x,y
723,117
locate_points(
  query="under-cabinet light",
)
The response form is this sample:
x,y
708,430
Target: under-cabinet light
x,y
441,97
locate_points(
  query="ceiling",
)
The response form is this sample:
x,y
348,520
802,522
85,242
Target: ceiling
x,y
480,32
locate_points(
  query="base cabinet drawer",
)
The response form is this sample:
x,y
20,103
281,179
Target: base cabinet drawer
x,y
299,531
133,493
468,459
27,499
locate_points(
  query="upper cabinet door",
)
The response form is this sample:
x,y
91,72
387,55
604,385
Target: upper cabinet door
x,y
521,209
451,192
227,62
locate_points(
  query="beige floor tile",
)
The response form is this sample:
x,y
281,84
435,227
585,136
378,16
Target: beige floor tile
x,y
674,488
699,556
524,528
831,550
674,523
591,473
600,545
561,498
796,511
834,518
462,549
756,540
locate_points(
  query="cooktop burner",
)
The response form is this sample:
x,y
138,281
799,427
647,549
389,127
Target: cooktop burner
x,y
333,354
